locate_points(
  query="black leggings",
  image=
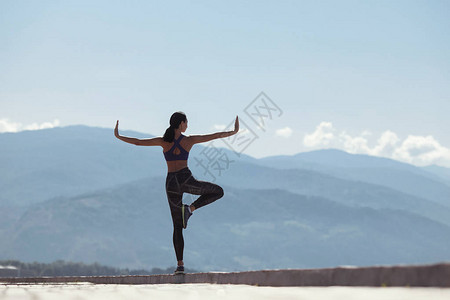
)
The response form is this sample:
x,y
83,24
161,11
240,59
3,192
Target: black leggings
x,y
180,182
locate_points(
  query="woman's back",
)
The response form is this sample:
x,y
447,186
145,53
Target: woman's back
x,y
176,153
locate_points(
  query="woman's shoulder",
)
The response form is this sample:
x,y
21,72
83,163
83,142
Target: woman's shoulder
x,y
165,144
187,142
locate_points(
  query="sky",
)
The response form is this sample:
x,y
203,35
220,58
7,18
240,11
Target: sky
x,y
367,77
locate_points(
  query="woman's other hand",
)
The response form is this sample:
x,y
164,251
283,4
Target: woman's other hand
x,y
116,130
236,125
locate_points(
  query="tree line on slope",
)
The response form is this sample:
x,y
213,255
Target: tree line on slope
x,y
63,268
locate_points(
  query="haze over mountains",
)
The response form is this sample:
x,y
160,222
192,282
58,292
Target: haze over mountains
x,y
77,193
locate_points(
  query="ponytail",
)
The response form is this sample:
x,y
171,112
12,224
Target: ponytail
x,y
175,121
169,135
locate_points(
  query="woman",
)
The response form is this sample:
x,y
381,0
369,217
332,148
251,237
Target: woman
x,y
179,179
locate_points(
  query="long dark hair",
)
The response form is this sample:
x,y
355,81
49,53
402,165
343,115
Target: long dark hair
x,y
175,121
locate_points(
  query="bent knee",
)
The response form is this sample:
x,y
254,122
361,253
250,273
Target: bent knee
x,y
220,192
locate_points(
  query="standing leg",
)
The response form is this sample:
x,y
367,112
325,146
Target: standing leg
x,y
175,203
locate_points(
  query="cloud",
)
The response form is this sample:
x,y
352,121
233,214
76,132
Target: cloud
x,y
422,150
10,126
45,125
386,144
284,132
417,150
7,126
322,136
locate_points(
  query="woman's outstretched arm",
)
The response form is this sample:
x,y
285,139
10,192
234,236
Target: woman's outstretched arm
x,y
157,141
218,135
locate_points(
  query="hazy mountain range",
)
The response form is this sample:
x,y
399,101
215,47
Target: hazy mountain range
x,y
77,193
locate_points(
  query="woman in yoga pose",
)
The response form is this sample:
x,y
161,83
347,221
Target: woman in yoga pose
x,y
179,180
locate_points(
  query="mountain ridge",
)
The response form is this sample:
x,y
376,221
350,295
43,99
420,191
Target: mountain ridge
x,y
79,192
130,226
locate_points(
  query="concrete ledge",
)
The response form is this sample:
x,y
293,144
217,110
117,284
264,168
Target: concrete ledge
x,y
437,275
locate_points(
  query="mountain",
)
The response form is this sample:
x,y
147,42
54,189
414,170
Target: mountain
x,y
130,226
347,192
66,162
442,172
408,179
78,159
77,193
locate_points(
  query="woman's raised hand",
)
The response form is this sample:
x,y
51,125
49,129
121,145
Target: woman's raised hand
x,y
236,125
116,130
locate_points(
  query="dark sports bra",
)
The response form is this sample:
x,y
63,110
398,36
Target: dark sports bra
x,y
183,155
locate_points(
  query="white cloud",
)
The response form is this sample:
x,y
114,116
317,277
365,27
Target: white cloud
x,y
386,144
7,126
422,150
45,125
322,136
10,126
417,150
356,144
284,132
